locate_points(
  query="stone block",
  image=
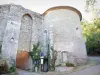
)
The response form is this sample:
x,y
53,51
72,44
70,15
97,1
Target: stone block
x,y
62,69
59,58
64,56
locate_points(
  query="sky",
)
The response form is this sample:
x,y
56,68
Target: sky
x,y
40,6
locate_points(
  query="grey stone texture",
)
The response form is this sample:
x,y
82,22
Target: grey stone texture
x,y
4,9
20,28
66,33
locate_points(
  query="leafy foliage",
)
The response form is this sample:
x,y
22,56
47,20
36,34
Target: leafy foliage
x,y
69,64
91,33
35,53
58,65
4,68
90,4
12,69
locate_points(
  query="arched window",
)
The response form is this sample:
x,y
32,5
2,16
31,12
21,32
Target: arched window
x,y
25,33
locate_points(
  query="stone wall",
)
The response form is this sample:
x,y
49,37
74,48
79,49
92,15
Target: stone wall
x,y
25,33
22,28
58,30
14,13
4,10
66,32
64,57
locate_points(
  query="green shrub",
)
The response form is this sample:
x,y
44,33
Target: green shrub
x,y
35,53
4,68
12,69
69,64
58,65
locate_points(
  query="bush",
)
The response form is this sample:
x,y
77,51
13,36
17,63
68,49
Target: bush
x,y
58,65
3,67
12,69
69,64
91,34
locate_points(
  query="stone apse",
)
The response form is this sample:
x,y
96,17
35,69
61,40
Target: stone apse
x,y
59,27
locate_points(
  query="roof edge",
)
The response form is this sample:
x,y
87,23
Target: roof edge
x,y
64,7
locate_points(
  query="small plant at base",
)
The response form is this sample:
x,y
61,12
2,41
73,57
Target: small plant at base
x,y
4,68
12,69
13,63
69,64
58,65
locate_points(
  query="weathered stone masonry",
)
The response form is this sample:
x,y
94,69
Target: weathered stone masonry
x,y
58,27
12,34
